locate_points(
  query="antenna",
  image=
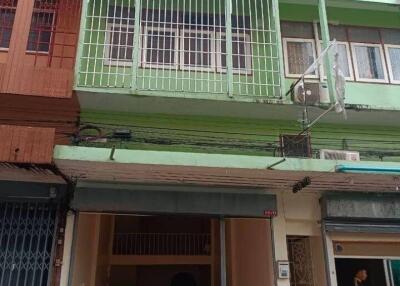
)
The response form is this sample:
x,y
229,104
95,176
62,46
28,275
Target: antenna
x,y
304,97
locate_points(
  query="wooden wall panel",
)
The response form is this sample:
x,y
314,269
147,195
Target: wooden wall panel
x,y
61,114
22,144
38,74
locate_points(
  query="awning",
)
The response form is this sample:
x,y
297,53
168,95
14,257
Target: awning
x,y
362,227
361,213
165,199
361,206
29,181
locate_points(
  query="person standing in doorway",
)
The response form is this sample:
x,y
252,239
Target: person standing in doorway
x,y
360,277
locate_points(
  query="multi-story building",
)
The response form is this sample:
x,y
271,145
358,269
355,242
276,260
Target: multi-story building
x,y
38,109
193,164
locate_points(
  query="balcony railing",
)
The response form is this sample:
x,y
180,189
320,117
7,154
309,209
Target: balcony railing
x,y
180,47
188,244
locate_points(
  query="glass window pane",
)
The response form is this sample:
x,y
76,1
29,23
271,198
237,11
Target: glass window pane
x,y
160,48
241,58
395,267
394,55
300,56
6,24
40,32
197,49
369,62
343,59
121,41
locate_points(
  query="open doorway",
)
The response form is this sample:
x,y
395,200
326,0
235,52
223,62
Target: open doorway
x,y
142,250
374,272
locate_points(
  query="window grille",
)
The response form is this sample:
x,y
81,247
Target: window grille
x,y
53,33
7,15
301,270
180,47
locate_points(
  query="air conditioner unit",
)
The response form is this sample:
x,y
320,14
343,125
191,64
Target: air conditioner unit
x,y
311,93
295,145
339,155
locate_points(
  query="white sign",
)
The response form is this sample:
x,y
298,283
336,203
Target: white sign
x,y
283,270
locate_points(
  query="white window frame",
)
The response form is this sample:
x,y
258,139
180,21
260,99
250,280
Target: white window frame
x,y
389,62
107,56
249,58
51,33
285,41
175,65
182,51
349,62
353,46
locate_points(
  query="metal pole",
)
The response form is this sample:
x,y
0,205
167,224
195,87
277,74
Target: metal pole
x,y
323,19
223,250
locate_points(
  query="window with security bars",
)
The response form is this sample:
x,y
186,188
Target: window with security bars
x,y
181,46
7,16
41,31
241,53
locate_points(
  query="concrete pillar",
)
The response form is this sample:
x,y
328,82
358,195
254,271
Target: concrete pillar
x,y
68,238
279,238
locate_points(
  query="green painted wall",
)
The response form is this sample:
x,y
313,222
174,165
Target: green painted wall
x,y
375,96
238,136
94,73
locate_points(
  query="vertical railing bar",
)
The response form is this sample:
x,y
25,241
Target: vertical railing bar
x,y
270,41
275,8
251,40
136,46
178,24
170,78
228,37
119,29
264,44
7,244
189,48
166,50
111,37
97,43
80,43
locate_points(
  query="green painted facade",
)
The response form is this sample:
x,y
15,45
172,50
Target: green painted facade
x,y
222,134
228,135
93,73
370,95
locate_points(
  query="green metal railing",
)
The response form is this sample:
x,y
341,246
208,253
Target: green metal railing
x,y
181,48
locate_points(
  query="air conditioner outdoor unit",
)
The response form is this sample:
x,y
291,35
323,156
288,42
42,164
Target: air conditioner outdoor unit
x,y
313,93
339,155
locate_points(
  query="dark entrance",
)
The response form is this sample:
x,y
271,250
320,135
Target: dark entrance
x,y
27,231
346,269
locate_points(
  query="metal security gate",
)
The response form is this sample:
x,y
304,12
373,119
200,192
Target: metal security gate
x,y
27,232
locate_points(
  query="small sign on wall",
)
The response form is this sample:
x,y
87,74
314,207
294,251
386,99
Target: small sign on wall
x,y
283,270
